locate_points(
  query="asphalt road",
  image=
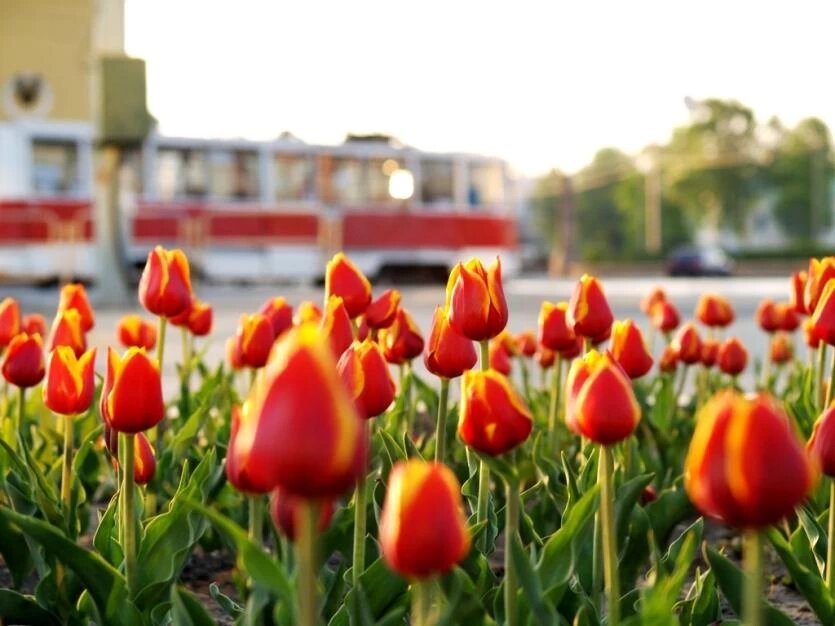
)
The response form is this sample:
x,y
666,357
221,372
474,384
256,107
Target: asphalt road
x,y
524,296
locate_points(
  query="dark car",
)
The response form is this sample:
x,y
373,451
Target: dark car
x,y
699,261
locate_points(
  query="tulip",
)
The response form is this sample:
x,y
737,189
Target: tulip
x,y
768,316
493,418
652,299
33,324
423,530
196,319
448,353
67,331
499,357
381,312
789,319
821,272
554,331
526,342
144,460
70,382
134,332
344,279
401,340
285,509
588,312
572,352
781,349
233,354
823,317
336,326
307,312
475,300
665,317
365,374
280,314
687,344
9,321
165,285
821,447
732,357
255,339
545,357
23,361
714,311
710,352
74,296
668,361
809,336
798,286
746,468
629,350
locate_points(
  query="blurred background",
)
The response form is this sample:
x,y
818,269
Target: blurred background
x,y
262,137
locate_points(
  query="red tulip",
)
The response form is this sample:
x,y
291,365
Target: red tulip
x,y
380,313
423,530
798,286
554,331
493,418
233,353
715,311
710,352
67,331
668,361
23,363
165,285
307,312
789,319
732,357
255,340
821,444
144,460
629,349
475,300
809,336
768,316
74,296
280,314
299,429
823,318
781,349
588,312
134,332
665,317
745,466
336,326
197,318
687,344
526,343
401,341
9,321
344,279
366,376
499,357
448,354
70,382
32,324
131,399
572,352
653,298
284,510
821,272
545,357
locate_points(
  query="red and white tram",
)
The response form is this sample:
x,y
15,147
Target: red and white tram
x,y
251,210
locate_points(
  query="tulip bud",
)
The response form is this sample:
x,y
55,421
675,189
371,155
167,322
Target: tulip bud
x,y
602,402
255,339
499,357
665,317
545,357
23,364
710,352
32,324
823,318
588,312
809,336
134,332
789,319
298,429
448,353
70,382
475,300
821,272
366,376
280,314
67,331
745,466
380,313
308,312
768,316
526,343
197,318
423,530
554,331
74,296
798,286
493,418
144,460
629,349
165,285
648,495
687,344
285,510
336,326
652,299
401,341
668,361
821,444
781,349
344,279
131,399
714,311
9,321
732,357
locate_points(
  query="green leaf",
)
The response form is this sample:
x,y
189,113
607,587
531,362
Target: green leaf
x,y
626,498
15,552
229,606
16,608
106,538
530,583
186,610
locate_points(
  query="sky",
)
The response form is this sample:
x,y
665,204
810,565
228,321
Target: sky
x,y
543,84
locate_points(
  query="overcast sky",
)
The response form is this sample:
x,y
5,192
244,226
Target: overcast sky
x,y
540,83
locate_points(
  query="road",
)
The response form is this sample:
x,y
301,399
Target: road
x,y
524,296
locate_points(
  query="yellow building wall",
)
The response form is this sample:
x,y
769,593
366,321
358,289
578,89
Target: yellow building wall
x,y
52,38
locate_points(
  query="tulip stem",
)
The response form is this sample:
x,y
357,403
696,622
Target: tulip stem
x,y
610,549
766,373
256,519
830,554
511,533
821,367
360,506
526,378
753,591
483,469
307,595
410,399
440,429
831,383
21,417
128,511
422,603
556,386
185,385
163,323
484,346
66,474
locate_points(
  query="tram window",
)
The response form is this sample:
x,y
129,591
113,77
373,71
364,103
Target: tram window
x,y
485,184
181,173
437,186
235,175
295,177
378,173
54,167
347,181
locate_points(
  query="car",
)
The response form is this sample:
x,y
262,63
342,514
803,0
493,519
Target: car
x,y
699,261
